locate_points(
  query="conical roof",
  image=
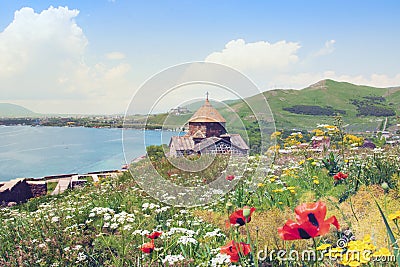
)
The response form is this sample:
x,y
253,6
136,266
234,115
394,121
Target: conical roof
x,y
207,113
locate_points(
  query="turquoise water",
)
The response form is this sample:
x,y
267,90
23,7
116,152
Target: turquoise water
x,y
41,151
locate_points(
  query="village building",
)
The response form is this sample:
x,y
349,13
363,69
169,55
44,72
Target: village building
x,y
179,111
207,135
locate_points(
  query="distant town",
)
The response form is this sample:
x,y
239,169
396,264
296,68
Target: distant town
x,y
83,121
94,121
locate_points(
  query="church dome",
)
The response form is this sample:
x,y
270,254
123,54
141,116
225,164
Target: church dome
x,y
207,113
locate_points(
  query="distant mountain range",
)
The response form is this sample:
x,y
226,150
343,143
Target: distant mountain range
x,y
14,111
362,107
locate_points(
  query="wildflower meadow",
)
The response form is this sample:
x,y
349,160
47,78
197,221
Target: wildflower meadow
x,y
329,207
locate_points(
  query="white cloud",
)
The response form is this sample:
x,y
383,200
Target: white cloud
x,y
278,65
115,55
259,56
328,48
304,79
42,58
33,39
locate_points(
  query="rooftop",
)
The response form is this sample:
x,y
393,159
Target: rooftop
x,y
207,113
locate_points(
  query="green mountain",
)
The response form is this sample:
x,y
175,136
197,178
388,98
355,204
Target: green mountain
x,y
13,111
361,107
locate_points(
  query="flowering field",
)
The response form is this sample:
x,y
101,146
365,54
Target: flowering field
x,y
335,208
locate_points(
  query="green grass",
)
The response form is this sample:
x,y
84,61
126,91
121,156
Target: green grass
x,y
325,93
105,224
50,187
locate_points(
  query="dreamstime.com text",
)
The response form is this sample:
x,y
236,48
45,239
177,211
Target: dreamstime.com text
x,y
320,255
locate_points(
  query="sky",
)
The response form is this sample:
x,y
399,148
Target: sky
x,y
91,57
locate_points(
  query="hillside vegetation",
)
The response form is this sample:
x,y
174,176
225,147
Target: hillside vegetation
x,y
362,107
342,96
115,223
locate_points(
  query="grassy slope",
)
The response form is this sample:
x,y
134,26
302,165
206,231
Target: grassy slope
x,y
324,93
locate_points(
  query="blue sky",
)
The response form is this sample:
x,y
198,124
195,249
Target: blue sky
x,y
91,56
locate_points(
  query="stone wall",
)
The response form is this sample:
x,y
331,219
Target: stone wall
x,y
20,192
38,189
207,128
77,183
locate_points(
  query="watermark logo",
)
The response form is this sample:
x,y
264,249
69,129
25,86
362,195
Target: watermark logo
x,y
345,238
347,251
327,255
203,87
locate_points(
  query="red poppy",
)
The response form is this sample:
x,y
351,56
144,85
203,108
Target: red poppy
x,y
310,222
154,235
340,176
230,177
237,217
235,250
147,247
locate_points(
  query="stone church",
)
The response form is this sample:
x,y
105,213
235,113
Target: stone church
x,y
207,135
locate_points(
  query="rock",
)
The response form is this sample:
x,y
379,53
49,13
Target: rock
x,y
11,204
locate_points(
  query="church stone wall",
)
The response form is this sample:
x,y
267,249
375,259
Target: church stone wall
x,y
209,129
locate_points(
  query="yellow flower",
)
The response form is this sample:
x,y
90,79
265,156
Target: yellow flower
x,y
323,246
370,247
291,187
260,184
382,252
274,148
292,191
280,202
356,245
301,162
354,263
354,258
272,180
394,216
313,163
334,253
358,252
315,181
318,132
275,134
367,238
331,128
279,190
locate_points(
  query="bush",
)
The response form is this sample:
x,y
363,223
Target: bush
x,y
372,106
314,110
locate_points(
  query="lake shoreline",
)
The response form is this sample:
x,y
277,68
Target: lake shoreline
x,y
56,177
20,190
37,152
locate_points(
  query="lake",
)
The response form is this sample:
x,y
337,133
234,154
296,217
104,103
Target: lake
x,y
27,151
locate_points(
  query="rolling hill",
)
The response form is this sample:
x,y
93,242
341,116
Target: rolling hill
x,y
13,111
362,107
